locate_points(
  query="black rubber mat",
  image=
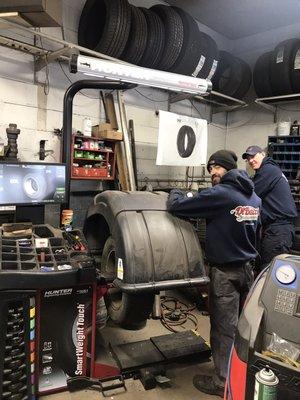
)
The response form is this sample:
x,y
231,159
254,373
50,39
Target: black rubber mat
x,y
137,354
182,344
161,349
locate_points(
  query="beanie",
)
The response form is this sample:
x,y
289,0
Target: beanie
x,y
224,158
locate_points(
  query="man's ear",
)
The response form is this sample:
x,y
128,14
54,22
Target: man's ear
x,y
263,153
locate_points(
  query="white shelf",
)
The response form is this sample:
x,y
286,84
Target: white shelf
x,y
267,102
220,101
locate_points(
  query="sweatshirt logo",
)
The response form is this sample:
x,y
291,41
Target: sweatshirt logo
x,y
245,213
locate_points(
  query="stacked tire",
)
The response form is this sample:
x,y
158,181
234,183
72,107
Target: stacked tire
x,y
277,72
233,76
162,37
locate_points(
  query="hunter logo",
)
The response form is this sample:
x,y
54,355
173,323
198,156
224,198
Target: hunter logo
x,y
245,213
59,292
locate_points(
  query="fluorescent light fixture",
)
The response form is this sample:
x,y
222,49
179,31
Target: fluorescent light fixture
x,y
141,76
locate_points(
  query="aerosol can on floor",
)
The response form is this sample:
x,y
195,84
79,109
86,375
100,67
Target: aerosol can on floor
x,y
266,384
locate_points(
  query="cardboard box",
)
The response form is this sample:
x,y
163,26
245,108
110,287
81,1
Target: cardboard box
x,y
106,134
44,13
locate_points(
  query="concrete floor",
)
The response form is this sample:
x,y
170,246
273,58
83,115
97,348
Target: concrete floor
x,y
180,386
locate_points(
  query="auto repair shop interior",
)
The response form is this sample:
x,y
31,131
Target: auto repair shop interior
x,y
149,199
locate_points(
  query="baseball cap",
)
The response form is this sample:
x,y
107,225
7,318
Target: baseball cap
x,y
251,151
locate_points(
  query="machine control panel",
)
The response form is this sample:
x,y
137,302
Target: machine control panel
x,y
280,297
285,301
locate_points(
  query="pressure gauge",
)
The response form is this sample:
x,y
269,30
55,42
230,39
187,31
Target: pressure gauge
x,y
285,274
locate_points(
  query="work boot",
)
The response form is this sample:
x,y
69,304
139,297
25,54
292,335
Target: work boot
x,y
207,385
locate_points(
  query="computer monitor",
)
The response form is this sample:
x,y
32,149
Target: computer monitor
x,y
32,183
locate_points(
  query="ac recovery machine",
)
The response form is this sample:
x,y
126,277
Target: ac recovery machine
x,y
273,306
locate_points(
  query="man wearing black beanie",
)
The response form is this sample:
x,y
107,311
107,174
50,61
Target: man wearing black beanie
x,y
231,209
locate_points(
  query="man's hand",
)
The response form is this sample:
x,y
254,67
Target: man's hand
x,y
176,195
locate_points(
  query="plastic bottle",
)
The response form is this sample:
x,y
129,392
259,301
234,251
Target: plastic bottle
x,y
87,127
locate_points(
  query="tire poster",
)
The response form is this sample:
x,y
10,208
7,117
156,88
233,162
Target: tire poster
x,y
182,140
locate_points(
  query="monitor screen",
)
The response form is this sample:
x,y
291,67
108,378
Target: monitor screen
x,y
27,183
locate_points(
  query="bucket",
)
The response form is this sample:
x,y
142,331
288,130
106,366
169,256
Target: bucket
x,y
283,128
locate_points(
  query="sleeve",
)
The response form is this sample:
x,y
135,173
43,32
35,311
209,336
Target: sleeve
x,y
204,204
265,180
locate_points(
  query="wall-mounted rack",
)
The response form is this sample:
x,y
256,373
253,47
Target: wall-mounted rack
x,y
219,101
272,103
63,50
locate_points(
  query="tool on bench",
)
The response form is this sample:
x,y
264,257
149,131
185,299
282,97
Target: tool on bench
x,y
74,241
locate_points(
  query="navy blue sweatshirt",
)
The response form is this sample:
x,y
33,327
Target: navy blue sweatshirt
x,y
231,210
272,187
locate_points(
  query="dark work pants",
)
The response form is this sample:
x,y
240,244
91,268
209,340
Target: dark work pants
x,y
229,287
277,238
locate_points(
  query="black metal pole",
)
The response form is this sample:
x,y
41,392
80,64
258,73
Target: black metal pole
x,y
133,151
68,117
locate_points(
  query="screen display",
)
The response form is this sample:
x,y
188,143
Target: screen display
x,y
27,183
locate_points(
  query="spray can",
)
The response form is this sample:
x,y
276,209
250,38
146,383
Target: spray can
x,y
67,220
266,383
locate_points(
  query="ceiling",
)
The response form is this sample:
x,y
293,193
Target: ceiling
x,y
239,18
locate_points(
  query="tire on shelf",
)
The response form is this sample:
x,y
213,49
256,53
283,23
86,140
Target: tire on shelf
x,y
190,55
261,76
137,40
295,69
104,26
173,35
208,64
233,76
130,311
281,66
129,229
155,39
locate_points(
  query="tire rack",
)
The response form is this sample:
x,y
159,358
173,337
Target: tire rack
x,y
271,103
44,57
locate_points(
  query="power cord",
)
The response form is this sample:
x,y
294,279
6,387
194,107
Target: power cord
x,y
176,314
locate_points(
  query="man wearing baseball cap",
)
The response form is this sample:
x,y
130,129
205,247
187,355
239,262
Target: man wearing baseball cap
x,y
231,209
278,207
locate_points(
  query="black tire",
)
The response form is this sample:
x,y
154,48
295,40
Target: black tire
x,y
186,140
295,69
261,76
233,76
281,66
137,39
173,36
210,57
131,311
155,40
188,58
104,26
